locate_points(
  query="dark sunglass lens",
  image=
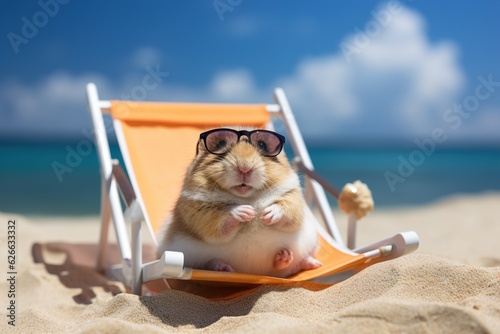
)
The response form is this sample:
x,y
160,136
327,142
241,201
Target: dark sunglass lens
x,y
267,142
219,141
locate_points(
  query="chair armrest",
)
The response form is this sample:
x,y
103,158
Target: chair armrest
x,y
402,243
316,177
170,265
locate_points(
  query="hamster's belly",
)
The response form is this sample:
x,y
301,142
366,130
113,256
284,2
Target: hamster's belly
x,y
251,252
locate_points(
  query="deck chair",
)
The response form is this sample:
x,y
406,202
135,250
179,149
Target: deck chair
x,y
148,135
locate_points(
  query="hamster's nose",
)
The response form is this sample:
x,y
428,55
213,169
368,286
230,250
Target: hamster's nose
x,y
245,169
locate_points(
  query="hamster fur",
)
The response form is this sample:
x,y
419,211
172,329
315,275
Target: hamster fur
x,y
241,212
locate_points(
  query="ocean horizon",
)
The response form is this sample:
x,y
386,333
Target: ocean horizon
x,y
64,179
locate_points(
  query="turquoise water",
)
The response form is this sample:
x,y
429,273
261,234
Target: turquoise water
x,y
29,184
402,177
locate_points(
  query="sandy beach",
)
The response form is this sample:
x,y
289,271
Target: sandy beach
x,y
451,284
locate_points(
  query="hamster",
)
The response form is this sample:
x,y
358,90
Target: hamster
x,y
241,211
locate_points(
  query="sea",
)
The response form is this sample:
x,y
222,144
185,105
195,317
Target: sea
x,y
64,179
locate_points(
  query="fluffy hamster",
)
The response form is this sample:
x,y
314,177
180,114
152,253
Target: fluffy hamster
x,y
241,211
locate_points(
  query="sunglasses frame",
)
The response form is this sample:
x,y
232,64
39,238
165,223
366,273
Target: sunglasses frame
x,y
241,133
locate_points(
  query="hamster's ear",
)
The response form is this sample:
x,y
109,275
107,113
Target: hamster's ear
x,y
199,146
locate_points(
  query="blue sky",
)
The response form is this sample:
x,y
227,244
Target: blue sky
x,y
363,71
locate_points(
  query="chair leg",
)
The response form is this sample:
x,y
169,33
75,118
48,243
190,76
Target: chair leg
x,y
136,283
103,239
351,231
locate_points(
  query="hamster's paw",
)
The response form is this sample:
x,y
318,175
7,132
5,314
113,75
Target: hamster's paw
x,y
242,213
272,214
231,224
310,263
219,265
283,259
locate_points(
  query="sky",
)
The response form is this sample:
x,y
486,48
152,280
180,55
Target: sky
x,y
354,71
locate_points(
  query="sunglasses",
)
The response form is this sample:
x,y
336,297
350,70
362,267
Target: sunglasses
x,y
219,141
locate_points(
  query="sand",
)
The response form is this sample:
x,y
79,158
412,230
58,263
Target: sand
x,y
451,284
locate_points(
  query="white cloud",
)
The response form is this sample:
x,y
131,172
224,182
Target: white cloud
x,y
237,84
396,83
321,85
242,27
146,56
480,126
50,108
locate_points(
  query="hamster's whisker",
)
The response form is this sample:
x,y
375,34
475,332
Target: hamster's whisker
x,y
270,183
218,177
